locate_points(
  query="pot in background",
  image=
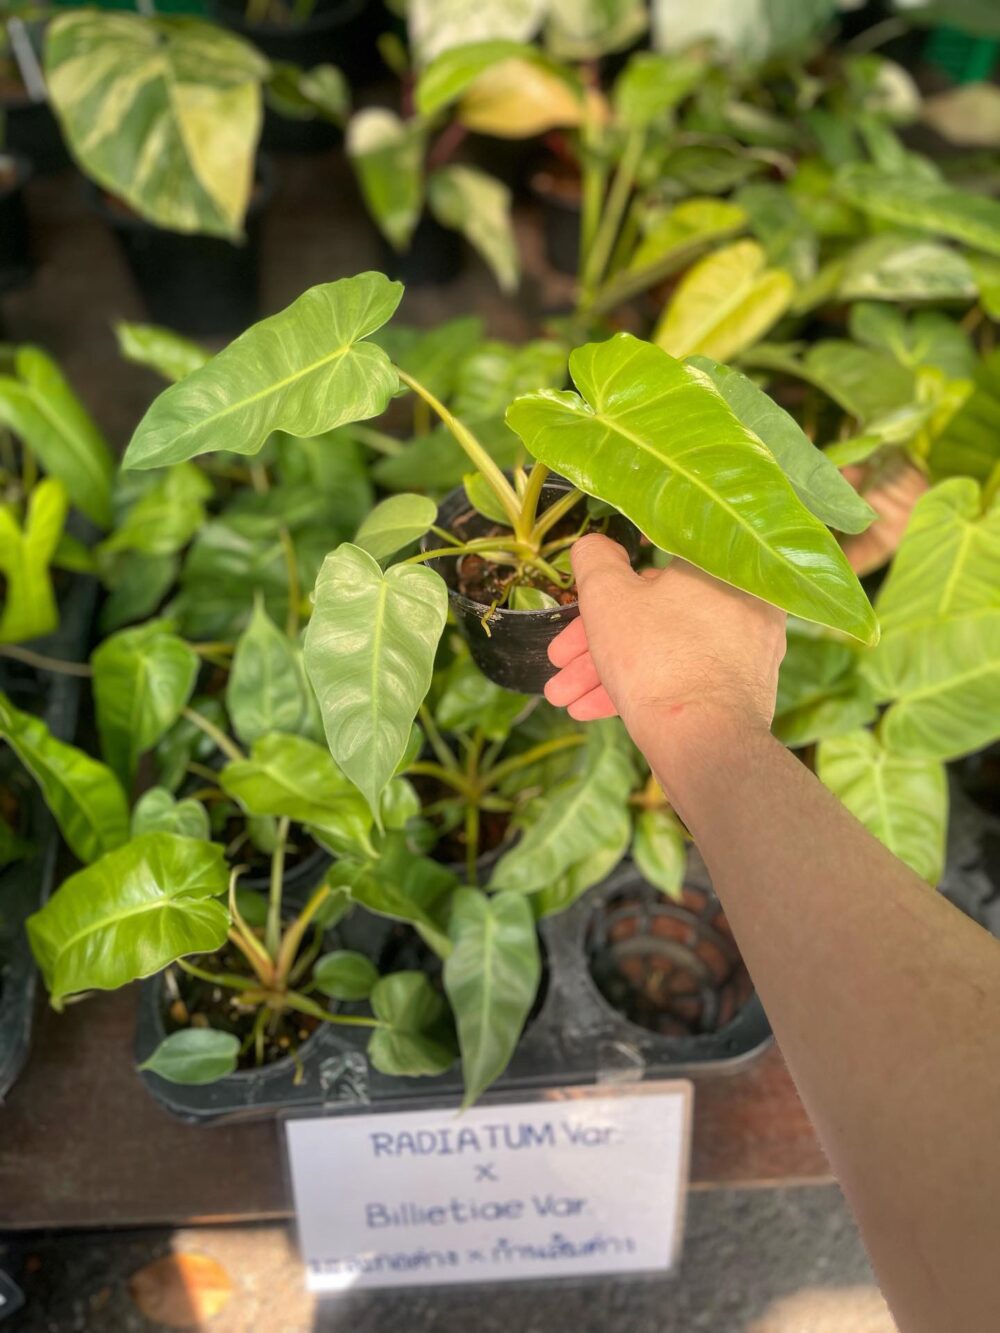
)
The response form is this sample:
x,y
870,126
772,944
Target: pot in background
x,y
558,193
15,239
433,258
514,654
32,131
337,32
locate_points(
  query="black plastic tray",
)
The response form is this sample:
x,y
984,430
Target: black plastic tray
x,y
576,1037
26,885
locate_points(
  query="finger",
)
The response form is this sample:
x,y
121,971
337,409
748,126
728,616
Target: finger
x,y
598,560
592,706
568,643
650,574
574,681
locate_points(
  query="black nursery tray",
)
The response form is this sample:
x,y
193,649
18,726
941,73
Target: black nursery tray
x,y
26,885
619,939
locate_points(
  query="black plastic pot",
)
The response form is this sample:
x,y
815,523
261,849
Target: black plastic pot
x,y
576,1038
515,652
32,131
434,256
15,240
299,880
560,223
200,285
26,885
338,32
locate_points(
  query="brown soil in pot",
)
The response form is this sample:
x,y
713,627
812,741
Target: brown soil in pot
x,y
486,582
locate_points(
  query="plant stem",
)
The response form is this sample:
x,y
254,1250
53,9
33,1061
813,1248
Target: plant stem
x,y
294,935
229,979
492,474
43,663
541,751
272,931
435,739
259,479
471,841
450,777
294,586
594,179
551,516
212,649
378,440
228,747
302,1003
488,547
614,209
533,493
241,942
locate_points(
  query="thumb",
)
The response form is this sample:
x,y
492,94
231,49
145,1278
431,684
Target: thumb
x,y
599,562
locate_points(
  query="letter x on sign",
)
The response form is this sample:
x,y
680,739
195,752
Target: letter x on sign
x,y
484,1171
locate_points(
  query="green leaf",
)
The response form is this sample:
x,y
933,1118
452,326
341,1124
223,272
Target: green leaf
x,y
388,157
789,239
927,338
185,741
821,692
904,802
130,914
970,443
84,796
491,978
319,93
483,498
194,1056
405,887
415,1040
29,608
669,454
394,524
345,975
438,25
468,700
922,205
574,819
659,849
523,597
905,268
739,32
727,302
563,892
369,653
437,462
304,371
165,517
948,563
672,242
494,372
650,85
156,811
449,75
943,679
433,356
42,410
815,480
164,113
986,272
168,353
267,690
477,205
296,778
864,381
586,29
143,677
137,586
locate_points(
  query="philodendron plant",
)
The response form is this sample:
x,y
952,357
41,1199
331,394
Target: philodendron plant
x,y
654,439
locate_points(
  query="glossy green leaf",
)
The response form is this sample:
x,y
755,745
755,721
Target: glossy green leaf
x,y
815,480
727,302
905,268
671,455
491,978
165,517
650,85
345,975
143,677
296,778
130,914
304,371
319,93
164,113
394,524
526,598
477,205
194,1056
864,381
970,443
405,887
563,892
369,653
821,692
84,796
943,678
29,606
439,25
168,353
948,563
388,157
449,75
267,690
483,498
157,811
659,849
927,338
39,406
573,819
586,29
904,802
415,1040
923,205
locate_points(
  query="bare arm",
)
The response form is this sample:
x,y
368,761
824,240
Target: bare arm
x,y
884,998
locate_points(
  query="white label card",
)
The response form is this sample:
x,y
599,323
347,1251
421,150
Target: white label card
x,y
585,1182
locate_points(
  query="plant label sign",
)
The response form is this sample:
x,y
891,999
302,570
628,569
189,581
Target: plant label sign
x,y
583,1182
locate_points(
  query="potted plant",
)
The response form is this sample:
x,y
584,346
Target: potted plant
x,y
176,175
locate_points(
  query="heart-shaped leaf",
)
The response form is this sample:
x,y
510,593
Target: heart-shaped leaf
x,y
407,888
927,338
267,689
477,205
395,524
156,811
415,1040
304,371
345,975
491,978
130,914
29,608
84,796
194,1056
904,802
670,454
369,652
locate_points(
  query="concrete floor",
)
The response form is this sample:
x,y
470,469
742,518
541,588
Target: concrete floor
x,y
765,1261
755,1261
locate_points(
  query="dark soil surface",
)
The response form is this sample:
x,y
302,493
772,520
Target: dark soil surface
x,y
486,582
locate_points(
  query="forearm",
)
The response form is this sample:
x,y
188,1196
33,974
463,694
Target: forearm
x,y
885,1001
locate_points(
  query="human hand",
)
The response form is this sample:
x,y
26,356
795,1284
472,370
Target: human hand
x,y
892,492
664,646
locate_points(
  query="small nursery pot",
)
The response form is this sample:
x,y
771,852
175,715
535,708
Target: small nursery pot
x,y
15,246
561,212
433,257
338,32
200,285
32,131
514,653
